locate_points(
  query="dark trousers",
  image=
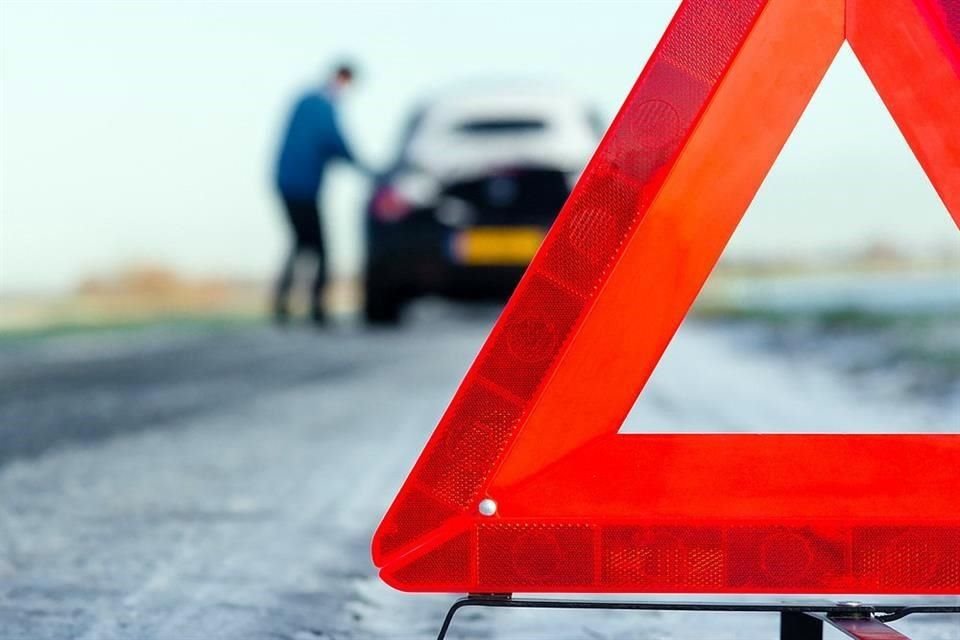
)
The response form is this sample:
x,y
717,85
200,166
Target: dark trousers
x,y
304,219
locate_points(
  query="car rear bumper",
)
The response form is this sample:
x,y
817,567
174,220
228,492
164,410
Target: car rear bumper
x,y
424,260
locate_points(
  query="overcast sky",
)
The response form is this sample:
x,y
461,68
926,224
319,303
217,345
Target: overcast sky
x,y
144,131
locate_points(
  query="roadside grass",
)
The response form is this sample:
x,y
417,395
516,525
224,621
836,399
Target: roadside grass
x,y
129,326
921,346
829,319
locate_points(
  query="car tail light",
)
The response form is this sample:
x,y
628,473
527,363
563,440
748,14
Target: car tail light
x,y
389,205
406,192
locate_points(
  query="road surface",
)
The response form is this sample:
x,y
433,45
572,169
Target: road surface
x,y
174,484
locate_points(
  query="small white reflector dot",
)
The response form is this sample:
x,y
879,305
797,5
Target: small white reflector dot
x,y
487,507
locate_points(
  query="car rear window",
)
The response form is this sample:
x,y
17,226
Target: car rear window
x,y
501,125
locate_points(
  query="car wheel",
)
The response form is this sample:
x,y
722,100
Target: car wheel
x,y
383,304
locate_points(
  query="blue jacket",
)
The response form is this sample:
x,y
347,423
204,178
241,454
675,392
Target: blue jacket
x,y
313,138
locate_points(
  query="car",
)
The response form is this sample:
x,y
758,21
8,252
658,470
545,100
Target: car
x,y
479,178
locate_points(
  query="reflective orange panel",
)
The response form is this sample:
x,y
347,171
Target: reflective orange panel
x,y
911,51
531,435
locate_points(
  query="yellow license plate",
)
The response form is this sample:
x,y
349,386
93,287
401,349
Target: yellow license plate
x,y
497,245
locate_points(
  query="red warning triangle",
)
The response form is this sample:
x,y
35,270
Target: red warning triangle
x,y
526,485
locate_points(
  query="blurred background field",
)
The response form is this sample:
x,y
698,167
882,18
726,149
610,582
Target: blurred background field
x,y
876,283
875,313
877,316
149,295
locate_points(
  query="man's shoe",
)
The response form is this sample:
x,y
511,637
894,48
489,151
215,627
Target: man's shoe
x,y
281,314
319,318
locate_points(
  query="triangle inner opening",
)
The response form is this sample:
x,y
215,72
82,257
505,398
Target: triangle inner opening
x,y
836,305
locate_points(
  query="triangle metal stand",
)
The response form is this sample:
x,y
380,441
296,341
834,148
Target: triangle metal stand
x,y
798,620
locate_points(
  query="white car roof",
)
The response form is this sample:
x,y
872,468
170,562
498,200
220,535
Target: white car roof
x,y
483,128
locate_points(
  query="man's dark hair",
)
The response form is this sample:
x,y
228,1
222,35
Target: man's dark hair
x,y
344,71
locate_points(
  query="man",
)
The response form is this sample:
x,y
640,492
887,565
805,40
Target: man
x,y
313,139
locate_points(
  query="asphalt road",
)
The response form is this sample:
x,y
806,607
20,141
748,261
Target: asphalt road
x,y
201,483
